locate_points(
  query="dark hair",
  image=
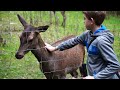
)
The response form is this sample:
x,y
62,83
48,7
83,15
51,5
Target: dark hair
x,y
98,16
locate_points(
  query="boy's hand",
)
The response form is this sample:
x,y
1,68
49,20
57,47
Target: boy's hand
x,y
49,47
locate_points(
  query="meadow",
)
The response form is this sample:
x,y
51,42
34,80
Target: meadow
x,y
28,67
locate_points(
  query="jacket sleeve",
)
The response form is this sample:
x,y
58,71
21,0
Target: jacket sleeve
x,y
71,42
112,63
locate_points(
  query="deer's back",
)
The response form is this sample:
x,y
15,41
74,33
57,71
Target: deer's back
x,y
69,58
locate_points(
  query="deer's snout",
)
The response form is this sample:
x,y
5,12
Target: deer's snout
x,y
19,55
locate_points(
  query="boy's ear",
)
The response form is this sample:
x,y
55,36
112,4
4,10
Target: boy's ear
x,y
92,20
42,28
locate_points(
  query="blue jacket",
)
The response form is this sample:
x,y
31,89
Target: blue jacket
x,y
102,63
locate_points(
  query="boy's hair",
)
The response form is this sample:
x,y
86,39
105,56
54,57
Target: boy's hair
x,y
98,16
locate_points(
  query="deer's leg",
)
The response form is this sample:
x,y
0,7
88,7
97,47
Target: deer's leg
x,y
60,76
63,76
74,74
83,70
48,76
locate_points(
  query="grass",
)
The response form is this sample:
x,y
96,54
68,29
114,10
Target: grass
x,y
28,67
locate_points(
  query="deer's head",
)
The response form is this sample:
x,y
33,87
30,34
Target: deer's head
x,y
28,37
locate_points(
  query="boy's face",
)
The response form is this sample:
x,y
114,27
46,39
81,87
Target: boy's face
x,y
88,23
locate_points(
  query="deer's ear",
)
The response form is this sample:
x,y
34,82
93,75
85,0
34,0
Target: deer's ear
x,y
23,22
42,28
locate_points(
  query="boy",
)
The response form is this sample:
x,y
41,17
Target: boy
x,y
102,63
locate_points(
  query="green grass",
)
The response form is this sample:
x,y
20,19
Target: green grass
x,y
28,67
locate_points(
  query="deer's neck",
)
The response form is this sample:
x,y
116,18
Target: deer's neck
x,y
40,52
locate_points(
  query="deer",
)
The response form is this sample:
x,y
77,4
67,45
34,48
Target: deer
x,y
54,65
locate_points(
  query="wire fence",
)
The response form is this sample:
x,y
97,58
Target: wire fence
x,y
11,29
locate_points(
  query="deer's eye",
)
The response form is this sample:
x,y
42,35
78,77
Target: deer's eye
x,y
28,40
